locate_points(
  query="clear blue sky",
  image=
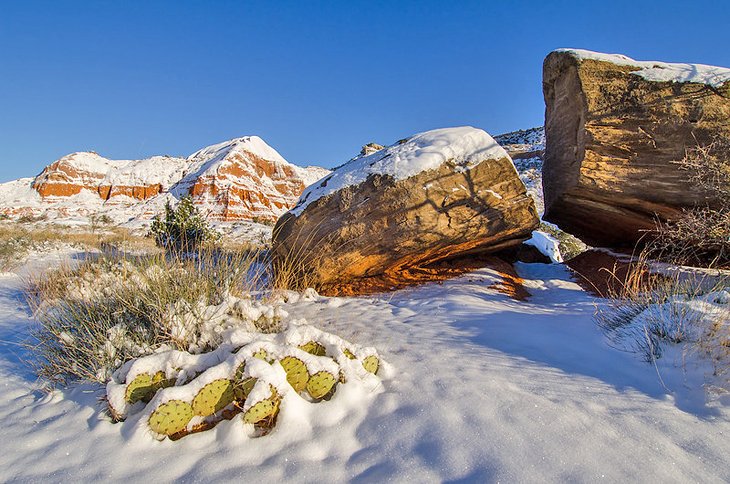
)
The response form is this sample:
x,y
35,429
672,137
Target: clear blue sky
x,y
316,80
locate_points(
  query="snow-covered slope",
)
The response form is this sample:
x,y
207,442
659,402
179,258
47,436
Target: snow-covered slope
x,y
240,179
526,147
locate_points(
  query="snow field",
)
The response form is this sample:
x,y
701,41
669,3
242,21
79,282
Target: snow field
x,y
482,388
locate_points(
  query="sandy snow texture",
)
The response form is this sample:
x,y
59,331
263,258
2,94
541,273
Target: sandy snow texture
x,y
661,71
483,389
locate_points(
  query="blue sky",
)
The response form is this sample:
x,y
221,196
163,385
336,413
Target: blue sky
x,y
316,80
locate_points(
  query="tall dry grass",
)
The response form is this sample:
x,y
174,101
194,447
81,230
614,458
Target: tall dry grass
x,y
18,240
657,305
93,317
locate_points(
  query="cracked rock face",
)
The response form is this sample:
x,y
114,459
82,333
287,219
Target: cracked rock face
x,y
613,138
384,227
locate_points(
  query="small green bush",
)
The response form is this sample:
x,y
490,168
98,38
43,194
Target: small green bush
x,y
183,228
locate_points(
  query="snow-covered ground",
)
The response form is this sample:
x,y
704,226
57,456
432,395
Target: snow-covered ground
x,y
481,388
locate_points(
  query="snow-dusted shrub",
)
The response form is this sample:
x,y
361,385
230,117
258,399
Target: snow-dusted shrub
x,y
93,318
701,235
17,241
673,306
182,229
248,376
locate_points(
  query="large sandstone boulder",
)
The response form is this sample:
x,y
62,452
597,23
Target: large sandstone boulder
x,y
615,128
436,196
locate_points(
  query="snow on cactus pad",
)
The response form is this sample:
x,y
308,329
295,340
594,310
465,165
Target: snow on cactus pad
x,y
235,383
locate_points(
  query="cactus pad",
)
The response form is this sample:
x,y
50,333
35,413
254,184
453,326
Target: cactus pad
x,y
144,387
314,348
171,418
296,372
348,353
261,354
371,364
139,389
320,384
263,410
243,387
213,397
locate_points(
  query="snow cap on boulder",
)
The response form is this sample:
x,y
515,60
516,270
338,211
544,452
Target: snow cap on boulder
x,y
463,146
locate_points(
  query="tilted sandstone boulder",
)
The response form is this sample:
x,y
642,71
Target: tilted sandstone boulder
x,y
436,196
615,128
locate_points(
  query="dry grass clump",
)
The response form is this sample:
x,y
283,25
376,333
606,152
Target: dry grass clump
x,y
94,317
651,308
294,263
17,240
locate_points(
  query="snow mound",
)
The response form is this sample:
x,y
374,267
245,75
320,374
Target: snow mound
x,y
660,71
465,146
546,244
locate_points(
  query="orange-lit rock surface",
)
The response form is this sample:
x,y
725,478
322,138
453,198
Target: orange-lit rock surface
x,y
395,214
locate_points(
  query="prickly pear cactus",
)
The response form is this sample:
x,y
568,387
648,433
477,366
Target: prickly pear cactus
x,y
371,364
140,388
320,384
263,410
144,387
296,372
213,397
221,384
314,348
171,418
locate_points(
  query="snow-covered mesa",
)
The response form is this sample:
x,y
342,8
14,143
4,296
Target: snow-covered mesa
x,y
465,146
660,71
240,179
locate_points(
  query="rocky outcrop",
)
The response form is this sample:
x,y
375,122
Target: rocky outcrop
x,y
240,179
402,210
615,128
246,179
138,179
